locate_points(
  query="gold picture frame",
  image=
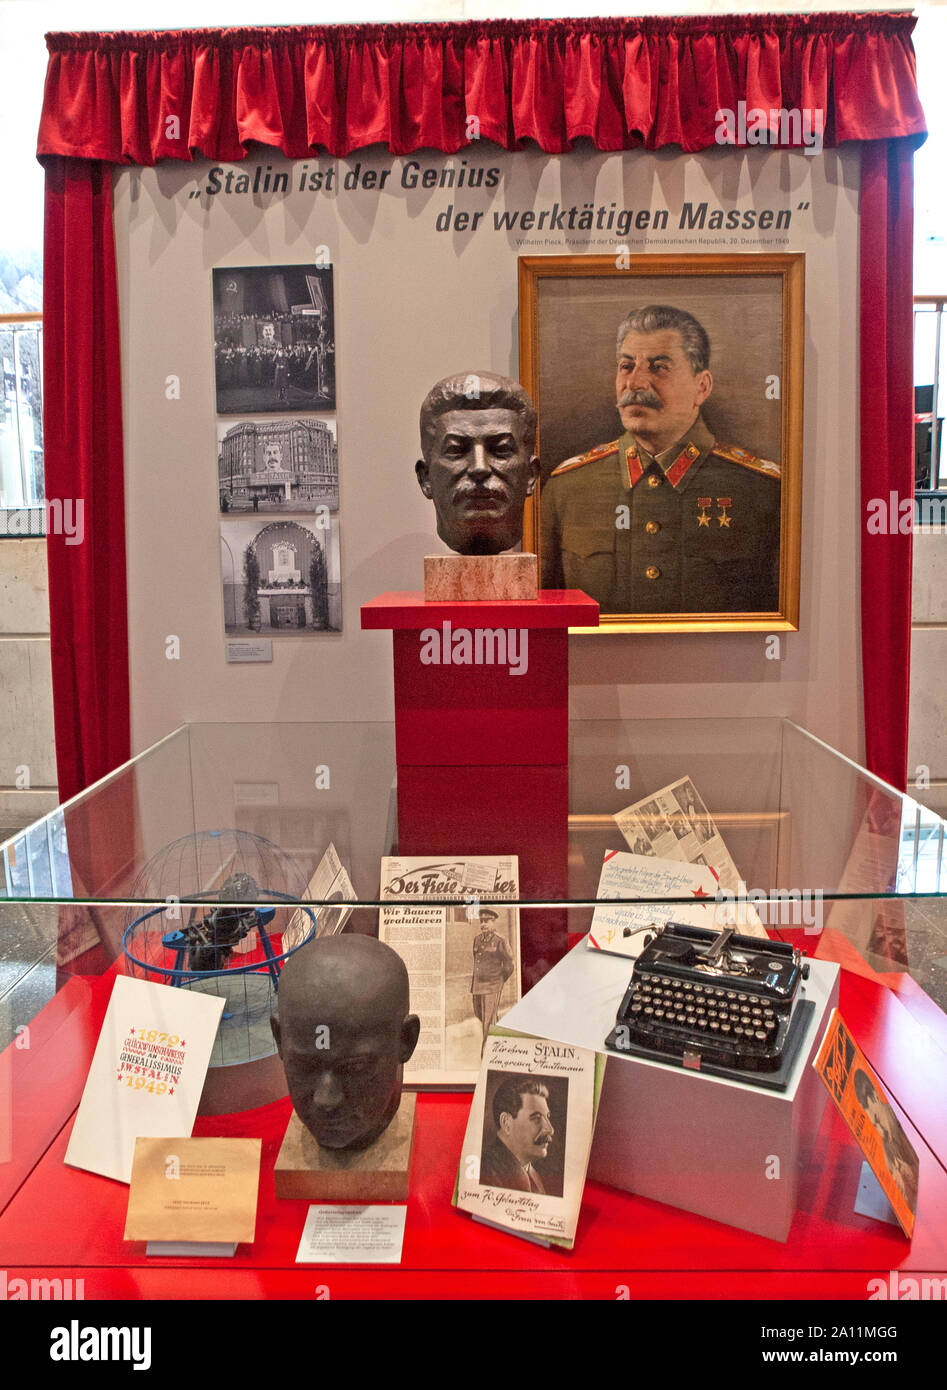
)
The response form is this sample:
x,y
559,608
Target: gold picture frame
x,y
753,309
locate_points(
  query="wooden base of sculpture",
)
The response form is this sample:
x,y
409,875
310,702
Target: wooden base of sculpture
x,y
381,1173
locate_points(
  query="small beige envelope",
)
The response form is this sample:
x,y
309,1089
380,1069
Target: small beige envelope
x,y
194,1190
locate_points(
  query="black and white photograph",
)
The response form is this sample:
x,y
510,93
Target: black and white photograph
x,y
695,811
524,1132
480,978
274,338
638,838
671,811
655,819
281,577
283,465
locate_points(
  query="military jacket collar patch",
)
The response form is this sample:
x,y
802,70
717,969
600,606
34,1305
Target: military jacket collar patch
x,y
633,466
687,456
675,463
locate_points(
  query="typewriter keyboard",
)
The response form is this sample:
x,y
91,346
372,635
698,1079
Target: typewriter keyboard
x,y
702,1023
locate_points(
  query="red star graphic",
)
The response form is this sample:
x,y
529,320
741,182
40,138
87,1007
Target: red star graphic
x,y
699,893
131,1030
182,1043
171,1091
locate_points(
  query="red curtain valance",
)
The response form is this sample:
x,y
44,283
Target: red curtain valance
x,y
621,83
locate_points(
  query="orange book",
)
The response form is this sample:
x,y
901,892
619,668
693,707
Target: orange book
x,y
863,1105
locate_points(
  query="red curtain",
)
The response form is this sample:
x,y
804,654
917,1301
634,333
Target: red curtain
x,y
83,458
138,98
886,221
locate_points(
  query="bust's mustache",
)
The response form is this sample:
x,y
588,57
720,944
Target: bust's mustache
x,y
495,492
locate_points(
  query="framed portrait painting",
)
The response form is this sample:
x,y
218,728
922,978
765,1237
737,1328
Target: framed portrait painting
x,y
669,392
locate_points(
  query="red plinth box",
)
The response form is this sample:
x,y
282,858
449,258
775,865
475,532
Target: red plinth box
x,y
482,738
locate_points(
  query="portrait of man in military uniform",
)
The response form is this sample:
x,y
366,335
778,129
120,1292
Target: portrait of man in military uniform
x,y
492,967
665,519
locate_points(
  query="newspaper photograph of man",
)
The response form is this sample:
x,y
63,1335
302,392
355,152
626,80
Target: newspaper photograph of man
x,y
492,967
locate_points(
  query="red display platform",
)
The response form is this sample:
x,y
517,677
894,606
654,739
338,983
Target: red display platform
x,y
482,748
67,1223
482,713
407,608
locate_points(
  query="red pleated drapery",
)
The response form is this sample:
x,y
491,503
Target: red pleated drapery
x,y
114,99
886,220
623,84
83,462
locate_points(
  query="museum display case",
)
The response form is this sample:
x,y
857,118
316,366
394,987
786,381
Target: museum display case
x,y
833,862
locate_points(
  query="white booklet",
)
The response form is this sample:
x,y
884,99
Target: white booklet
x,y
674,823
529,1134
147,1073
463,961
619,927
329,884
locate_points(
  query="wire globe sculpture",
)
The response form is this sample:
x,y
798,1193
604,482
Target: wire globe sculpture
x,y
228,919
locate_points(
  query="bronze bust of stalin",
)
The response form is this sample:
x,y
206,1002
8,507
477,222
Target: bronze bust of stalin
x,y
478,433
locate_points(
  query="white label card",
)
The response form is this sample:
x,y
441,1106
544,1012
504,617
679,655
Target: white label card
x,y
340,1234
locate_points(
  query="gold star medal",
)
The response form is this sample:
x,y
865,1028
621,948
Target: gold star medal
x,y
702,504
723,503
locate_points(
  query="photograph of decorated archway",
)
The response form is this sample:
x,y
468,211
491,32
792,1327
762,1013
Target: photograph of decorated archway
x,y
276,578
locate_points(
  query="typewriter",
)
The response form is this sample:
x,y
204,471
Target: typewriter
x,y
715,1001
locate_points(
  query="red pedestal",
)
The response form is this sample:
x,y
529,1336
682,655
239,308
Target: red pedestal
x,y
482,738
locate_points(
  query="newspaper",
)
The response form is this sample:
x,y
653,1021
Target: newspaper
x,y
329,884
529,1133
463,961
674,823
619,928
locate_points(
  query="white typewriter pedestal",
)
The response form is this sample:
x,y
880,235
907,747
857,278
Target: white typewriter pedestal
x,y
720,1148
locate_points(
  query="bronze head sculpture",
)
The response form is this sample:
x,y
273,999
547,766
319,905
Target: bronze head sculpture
x,y
478,432
343,1032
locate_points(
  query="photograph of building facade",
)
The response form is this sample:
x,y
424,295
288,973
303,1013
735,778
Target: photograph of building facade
x,y
277,465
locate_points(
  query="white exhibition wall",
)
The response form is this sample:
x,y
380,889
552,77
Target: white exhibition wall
x,y
413,303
